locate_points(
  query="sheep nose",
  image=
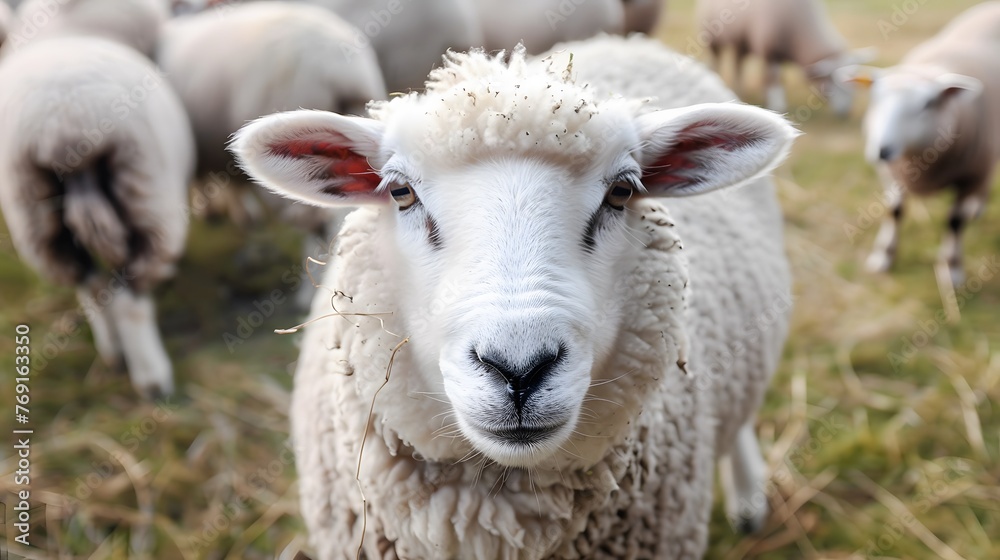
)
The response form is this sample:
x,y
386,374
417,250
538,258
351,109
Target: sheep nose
x,y
885,153
524,379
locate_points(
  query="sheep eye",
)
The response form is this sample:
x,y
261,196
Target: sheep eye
x,y
403,194
618,194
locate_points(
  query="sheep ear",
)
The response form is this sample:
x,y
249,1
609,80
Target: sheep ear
x,y
702,148
316,157
954,84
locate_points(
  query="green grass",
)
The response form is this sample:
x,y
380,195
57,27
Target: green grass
x,y
871,457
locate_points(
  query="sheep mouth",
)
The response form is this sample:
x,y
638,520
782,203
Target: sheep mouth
x,y
522,435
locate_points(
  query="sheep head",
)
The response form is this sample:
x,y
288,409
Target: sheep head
x,y
912,112
507,190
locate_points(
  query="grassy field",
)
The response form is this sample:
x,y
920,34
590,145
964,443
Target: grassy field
x,y
882,426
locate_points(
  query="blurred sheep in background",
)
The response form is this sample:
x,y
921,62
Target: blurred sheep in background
x,y
641,16
254,59
780,31
934,123
5,19
540,24
135,23
409,36
95,157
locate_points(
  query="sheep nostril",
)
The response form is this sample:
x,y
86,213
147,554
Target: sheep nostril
x,y
523,379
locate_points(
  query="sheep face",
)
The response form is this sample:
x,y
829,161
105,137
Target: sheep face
x,y
515,262
911,112
505,219
511,264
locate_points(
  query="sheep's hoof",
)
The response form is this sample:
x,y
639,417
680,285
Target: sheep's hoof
x,y
878,262
750,525
156,392
751,519
116,364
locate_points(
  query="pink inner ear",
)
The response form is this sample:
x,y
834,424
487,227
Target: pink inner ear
x,y
677,166
344,170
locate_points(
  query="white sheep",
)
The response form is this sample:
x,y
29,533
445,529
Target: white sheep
x,y
409,36
584,333
540,24
933,123
95,155
5,20
641,16
247,60
236,63
135,23
780,31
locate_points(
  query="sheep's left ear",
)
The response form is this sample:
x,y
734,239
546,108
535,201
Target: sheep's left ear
x,y
702,148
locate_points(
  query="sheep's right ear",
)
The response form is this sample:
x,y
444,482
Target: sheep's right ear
x,y
314,156
857,74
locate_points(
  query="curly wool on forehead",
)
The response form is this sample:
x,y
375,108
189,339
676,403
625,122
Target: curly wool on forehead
x,y
479,105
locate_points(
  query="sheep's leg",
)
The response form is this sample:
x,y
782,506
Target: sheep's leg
x,y
775,91
744,478
105,336
716,61
967,206
134,318
739,59
887,240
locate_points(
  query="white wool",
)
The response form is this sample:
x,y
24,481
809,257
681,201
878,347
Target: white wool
x,y
250,60
135,23
5,19
409,36
95,157
478,105
68,100
708,287
540,24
